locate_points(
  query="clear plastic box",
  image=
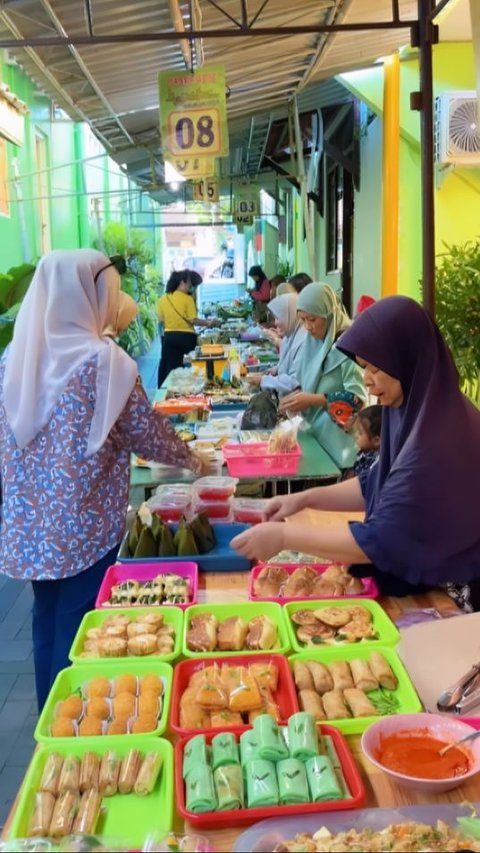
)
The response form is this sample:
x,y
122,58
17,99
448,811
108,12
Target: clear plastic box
x,y
215,489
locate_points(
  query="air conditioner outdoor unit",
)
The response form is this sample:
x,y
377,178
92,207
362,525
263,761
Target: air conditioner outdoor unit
x,y
457,129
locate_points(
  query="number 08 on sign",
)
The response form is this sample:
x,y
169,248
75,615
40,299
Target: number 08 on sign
x,y
193,118
194,132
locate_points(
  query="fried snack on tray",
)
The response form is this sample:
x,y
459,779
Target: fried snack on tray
x,y
397,838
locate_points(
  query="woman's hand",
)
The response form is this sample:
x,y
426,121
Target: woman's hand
x,y
254,378
297,401
279,508
202,463
261,541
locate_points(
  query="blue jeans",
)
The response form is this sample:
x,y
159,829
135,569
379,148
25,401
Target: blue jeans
x,y
58,609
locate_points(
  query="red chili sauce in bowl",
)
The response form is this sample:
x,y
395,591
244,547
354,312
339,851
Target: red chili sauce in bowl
x,y
415,754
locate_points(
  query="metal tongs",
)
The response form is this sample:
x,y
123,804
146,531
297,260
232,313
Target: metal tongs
x,y
464,694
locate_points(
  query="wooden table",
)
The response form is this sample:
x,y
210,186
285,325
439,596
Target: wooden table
x,y
217,588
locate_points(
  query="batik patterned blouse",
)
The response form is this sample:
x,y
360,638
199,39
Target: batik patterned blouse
x,y
63,511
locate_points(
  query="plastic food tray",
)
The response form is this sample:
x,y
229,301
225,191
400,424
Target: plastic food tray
x,y
222,558
125,816
246,610
69,681
253,460
95,618
370,589
224,819
146,571
285,695
408,701
266,835
388,633
180,405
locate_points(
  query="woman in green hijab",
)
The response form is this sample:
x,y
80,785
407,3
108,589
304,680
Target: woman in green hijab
x,y
324,371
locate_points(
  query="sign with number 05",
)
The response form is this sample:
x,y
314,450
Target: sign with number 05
x,y
193,118
205,191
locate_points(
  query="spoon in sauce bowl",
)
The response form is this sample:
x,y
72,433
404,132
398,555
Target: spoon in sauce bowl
x,y
471,736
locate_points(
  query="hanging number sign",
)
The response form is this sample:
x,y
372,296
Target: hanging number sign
x,y
205,191
192,167
246,207
193,117
243,219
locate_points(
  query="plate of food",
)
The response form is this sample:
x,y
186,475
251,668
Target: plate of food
x,y
312,624
284,582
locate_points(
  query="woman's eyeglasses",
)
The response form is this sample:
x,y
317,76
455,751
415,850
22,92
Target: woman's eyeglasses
x,y
117,261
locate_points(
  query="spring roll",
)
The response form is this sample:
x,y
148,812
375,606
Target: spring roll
x,y
302,736
66,808
89,772
224,750
292,782
51,774
200,790
322,779
262,785
359,703
363,676
303,676
249,747
109,773
39,825
228,782
322,678
194,754
382,671
88,812
70,775
265,674
129,771
148,774
271,745
334,705
311,703
342,677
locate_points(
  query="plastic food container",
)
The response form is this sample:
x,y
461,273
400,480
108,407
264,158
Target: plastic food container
x,y
405,694
220,512
242,817
253,460
284,696
370,589
146,572
387,633
214,489
95,619
222,558
180,405
71,680
170,508
126,816
249,510
247,611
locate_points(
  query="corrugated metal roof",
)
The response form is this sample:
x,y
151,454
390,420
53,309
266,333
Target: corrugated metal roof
x,y
114,86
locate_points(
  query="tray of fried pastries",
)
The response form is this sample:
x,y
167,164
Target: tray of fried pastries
x,y
230,692
284,582
350,688
312,624
212,629
135,632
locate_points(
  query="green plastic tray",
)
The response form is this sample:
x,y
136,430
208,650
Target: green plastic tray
x,y
408,701
69,680
247,610
124,817
95,618
388,633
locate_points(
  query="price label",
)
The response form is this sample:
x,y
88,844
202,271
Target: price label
x,y
194,132
206,191
246,206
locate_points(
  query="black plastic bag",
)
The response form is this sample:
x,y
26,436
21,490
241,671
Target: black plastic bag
x,y
262,411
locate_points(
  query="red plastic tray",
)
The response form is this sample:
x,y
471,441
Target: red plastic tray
x,y
370,587
253,460
120,572
243,817
285,695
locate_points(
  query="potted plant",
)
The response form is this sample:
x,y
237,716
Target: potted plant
x,y
13,287
458,310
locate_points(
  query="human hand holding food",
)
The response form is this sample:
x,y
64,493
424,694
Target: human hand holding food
x,y
253,378
203,463
279,508
297,401
261,541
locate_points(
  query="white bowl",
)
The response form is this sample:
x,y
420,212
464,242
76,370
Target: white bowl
x,y
447,729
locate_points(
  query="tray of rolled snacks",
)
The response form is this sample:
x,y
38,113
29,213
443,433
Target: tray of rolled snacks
x,y
149,584
211,629
132,632
339,622
230,692
103,699
234,778
350,688
286,582
109,789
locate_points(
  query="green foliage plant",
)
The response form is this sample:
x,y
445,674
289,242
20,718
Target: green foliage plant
x,y
13,287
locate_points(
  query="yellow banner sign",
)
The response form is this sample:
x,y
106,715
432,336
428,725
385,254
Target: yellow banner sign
x,y
206,191
193,116
192,167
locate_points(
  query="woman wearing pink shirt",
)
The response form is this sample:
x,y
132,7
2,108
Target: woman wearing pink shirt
x,y
261,293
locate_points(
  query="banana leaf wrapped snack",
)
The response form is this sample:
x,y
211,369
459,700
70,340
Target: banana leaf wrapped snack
x,y
165,540
184,540
203,532
147,545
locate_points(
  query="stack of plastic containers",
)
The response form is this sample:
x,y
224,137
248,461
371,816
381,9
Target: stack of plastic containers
x,y
172,501
214,496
